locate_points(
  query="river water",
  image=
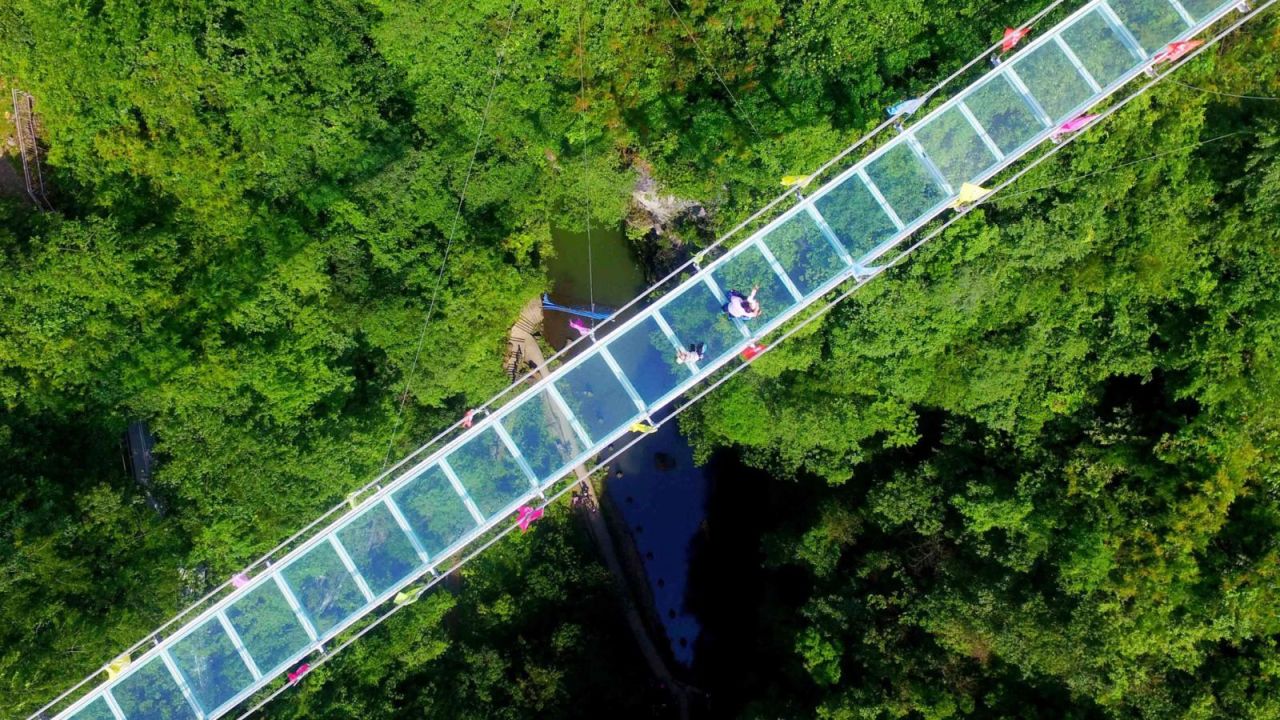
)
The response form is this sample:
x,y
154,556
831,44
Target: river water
x,y
611,277
657,489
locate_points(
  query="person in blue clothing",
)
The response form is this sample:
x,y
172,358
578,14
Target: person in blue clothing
x,y
743,307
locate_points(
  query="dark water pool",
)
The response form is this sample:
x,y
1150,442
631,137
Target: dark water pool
x,y
612,277
661,494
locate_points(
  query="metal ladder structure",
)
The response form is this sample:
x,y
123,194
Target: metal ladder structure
x,y
29,147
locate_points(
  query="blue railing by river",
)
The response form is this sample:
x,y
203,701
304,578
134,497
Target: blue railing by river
x,y
594,313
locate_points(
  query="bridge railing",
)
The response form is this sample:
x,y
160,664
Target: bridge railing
x,y
871,139
435,507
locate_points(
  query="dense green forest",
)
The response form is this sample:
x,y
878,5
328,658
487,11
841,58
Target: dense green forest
x,y
1032,473
1039,464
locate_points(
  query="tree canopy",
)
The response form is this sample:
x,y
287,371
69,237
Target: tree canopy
x,y
1049,440
1035,467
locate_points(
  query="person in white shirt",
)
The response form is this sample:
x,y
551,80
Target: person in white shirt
x,y
692,355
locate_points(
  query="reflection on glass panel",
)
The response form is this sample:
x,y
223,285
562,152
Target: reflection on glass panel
x,y
1099,48
324,587
489,472
379,548
434,510
151,693
1201,9
905,182
595,396
1153,22
1005,114
268,627
648,359
856,218
544,436
211,665
951,143
696,316
1054,81
749,269
96,710
804,252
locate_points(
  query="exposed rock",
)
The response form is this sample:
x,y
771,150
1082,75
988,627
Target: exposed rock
x,y
658,224
657,213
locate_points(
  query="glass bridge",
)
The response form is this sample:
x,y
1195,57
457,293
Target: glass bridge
x,y
447,502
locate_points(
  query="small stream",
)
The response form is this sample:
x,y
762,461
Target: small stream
x,y
656,487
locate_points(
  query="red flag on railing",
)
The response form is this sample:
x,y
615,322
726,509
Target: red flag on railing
x,y
1012,37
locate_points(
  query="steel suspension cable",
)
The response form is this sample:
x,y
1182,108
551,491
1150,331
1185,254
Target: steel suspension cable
x,y
706,60
1224,94
1120,166
586,168
453,228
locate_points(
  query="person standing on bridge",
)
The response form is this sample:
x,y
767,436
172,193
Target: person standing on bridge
x,y
743,307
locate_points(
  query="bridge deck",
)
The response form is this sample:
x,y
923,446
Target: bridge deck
x,y
441,505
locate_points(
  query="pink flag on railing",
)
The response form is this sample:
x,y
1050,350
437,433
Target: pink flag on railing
x,y
1013,36
526,516
469,418
296,675
239,580
576,324
1175,50
1073,125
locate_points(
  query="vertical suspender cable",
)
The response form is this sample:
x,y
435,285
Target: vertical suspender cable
x,y
453,227
586,195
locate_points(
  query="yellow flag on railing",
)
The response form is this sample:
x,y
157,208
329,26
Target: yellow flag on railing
x,y
801,180
641,427
968,193
118,666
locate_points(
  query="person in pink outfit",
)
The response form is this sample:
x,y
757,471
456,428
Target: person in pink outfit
x,y
743,307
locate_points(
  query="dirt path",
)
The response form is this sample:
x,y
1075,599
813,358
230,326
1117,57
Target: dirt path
x,y
522,335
